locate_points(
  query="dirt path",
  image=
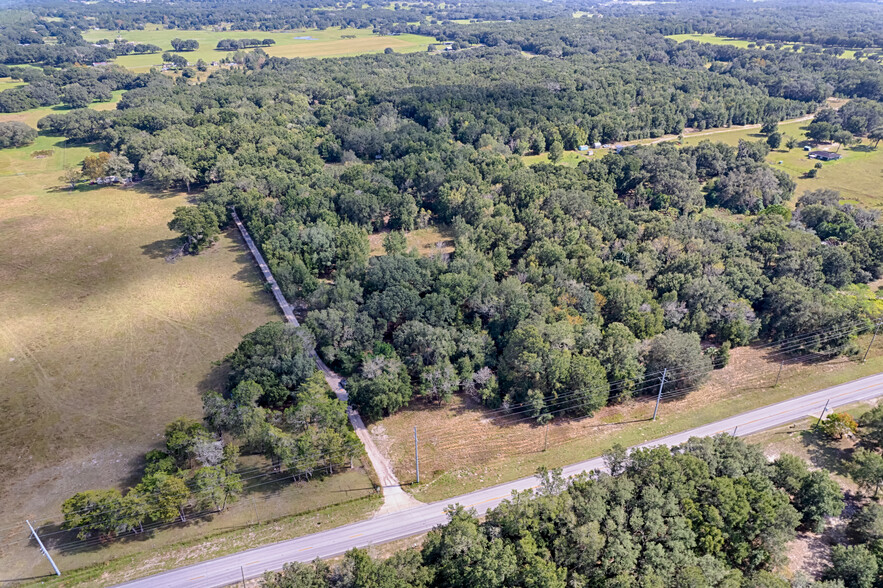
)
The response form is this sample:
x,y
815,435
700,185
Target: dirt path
x,y
394,497
665,138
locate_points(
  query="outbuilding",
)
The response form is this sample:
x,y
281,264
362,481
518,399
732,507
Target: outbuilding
x,y
824,155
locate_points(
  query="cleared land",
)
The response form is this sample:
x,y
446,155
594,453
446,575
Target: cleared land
x,y
742,43
462,450
429,241
103,341
296,43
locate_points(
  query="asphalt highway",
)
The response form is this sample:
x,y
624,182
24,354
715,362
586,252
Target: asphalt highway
x,y
254,562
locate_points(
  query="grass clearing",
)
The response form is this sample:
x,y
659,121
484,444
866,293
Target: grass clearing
x,y
568,158
295,43
461,451
430,241
743,44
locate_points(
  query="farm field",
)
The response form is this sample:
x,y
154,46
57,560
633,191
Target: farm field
x,y
742,43
461,450
326,43
102,340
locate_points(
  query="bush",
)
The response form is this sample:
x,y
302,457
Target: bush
x,y
837,425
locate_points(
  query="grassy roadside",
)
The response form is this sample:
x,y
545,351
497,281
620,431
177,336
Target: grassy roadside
x,y
460,451
164,557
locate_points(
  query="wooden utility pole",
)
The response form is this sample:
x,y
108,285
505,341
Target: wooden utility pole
x,y
876,328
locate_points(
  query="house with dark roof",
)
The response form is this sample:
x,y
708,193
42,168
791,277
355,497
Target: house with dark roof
x,y
824,155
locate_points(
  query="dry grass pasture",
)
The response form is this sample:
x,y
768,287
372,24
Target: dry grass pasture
x,y
296,43
462,450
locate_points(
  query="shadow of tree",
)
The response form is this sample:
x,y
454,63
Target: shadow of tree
x,y
161,249
830,454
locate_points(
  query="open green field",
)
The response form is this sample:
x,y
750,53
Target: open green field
x,y
568,159
327,43
742,43
858,176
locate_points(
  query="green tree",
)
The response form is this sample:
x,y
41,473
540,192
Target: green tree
x,y
556,151
871,424
774,140
214,486
93,512
395,243
818,497
867,469
854,565
199,225
381,388
681,355
164,496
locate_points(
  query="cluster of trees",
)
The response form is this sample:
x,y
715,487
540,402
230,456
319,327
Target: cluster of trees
x,y
856,118
279,405
195,473
73,87
711,512
236,44
16,134
185,44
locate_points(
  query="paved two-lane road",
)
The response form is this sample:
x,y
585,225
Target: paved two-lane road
x,y
254,562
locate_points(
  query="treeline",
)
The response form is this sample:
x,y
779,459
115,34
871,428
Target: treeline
x,y
287,15
237,44
711,512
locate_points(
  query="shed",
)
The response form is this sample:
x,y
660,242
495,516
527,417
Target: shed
x,y
583,147
824,155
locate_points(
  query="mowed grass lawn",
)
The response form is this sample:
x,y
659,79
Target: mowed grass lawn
x,y
312,43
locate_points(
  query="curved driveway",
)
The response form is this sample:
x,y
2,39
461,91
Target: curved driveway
x,y
419,519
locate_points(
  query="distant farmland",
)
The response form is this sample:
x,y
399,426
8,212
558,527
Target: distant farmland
x,y
327,43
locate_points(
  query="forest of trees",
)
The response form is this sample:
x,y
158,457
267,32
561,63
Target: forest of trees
x,y
568,288
562,279
712,512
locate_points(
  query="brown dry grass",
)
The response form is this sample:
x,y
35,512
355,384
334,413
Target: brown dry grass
x,y
102,342
461,450
430,241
